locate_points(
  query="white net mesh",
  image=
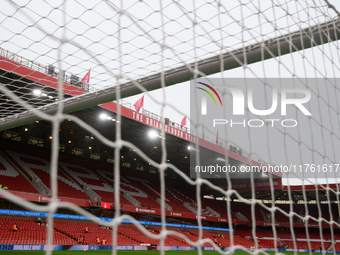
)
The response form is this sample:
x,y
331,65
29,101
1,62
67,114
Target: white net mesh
x,y
137,46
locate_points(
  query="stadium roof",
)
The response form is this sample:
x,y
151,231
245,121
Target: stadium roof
x,y
37,85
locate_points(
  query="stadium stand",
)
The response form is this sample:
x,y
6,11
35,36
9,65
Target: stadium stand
x,y
11,176
29,233
18,170
155,56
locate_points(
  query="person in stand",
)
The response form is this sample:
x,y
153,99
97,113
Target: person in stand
x,y
79,239
15,227
86,230
83,240
104,241
98,240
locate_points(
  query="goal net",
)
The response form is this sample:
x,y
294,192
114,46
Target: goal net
x,y
254,85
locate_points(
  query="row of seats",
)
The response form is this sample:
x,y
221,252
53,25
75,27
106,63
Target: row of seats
x,y
71,179
298,240
17,170
67,233
29,232
12,178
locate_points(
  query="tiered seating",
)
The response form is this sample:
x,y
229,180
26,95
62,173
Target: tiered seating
x,y
221,237
75,229
36,167
243,241
12,178
128,187
280,217
336,246
268,233
64,190
313,211
86,177
186,194
217,206
127,235
183,194
140,195
66,233
135,235
246,211
286,237
314,237
153,190
150,200
304,245
29,233
122,239
217,238
72,177
188,233
261,233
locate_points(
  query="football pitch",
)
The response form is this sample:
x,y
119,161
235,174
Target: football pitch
x,y
134,252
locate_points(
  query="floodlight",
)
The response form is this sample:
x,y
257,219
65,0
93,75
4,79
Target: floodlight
x,y
153,134
37,92
103,116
